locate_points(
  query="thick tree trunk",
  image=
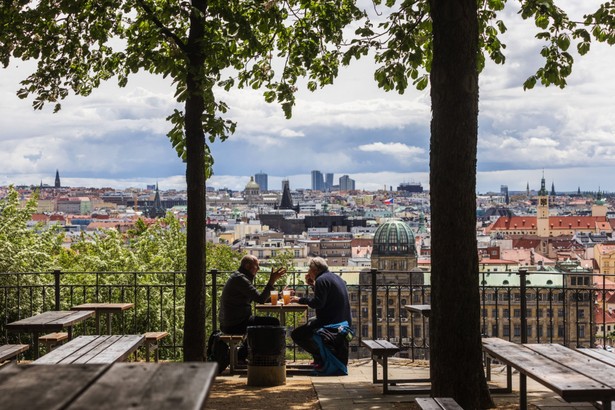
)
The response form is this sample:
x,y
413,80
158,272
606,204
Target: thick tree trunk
x,y
194,316
456,361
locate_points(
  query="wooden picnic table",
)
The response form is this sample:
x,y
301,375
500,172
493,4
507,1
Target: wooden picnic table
x,y
424,310
161,386
107,309
50,321
576,375
94,350
282,310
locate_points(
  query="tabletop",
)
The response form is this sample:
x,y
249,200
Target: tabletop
x,y
571,373
50,321
94,350
104,307
425,310
163,386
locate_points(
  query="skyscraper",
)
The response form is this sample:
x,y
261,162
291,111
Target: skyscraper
x,y
261,180
318,182
346,183
328,181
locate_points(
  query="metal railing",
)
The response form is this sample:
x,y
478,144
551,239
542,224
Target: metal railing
x,y
561,312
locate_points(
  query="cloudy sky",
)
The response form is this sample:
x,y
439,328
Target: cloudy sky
x,y
117,137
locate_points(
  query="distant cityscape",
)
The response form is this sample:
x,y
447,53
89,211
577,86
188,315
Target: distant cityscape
x,y
541,230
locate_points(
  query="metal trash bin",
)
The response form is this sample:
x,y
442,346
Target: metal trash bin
x,y
266,355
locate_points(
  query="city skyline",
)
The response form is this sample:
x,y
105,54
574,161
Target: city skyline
x,y
116,137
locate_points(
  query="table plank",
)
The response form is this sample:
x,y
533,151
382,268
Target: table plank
x,y
599,354
44,387
50,320
566,382
424,310
577,361
104,307
162,386
93,350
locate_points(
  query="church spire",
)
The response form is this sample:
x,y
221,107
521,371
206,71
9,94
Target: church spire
x,y
57,183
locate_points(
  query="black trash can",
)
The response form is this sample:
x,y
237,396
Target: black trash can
x,y
266,355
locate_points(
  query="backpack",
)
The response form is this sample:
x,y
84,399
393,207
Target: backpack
x,y
218,351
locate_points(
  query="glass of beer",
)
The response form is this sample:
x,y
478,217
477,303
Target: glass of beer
x,y
274,297
286,296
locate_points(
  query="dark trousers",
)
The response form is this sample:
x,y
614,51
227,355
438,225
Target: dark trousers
x,y
302,336
240,329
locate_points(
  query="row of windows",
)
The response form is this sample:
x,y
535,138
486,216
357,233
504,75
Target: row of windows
x,y
547,312
496,331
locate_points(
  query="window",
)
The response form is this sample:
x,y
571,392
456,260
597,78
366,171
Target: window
x,y
494,330
494,313
529,330
581,331
506,331
580,313
363,298
560,312
517,330
364,313
391,331
517,312
353,296
506,313
379,334
484,312
403,331
560,331
390,313
364,331
417,330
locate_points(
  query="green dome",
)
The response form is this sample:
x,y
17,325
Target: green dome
x,y
394,238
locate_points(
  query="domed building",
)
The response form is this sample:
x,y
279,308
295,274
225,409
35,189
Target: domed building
x,y
394,254
251,192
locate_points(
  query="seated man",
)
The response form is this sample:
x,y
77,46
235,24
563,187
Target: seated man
x,y
326,336
237,296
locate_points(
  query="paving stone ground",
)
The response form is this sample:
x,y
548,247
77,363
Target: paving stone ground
x,y
356,391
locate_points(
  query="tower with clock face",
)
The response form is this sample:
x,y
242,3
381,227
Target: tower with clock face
x,y
542,211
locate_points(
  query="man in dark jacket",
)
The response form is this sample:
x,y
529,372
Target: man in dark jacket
x,y
237,296
331,302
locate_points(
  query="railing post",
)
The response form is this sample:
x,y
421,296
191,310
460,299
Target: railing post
x,y
522,377
56,287
214,300
374,303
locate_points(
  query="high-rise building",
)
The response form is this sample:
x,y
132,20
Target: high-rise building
x,y
346,183
318,182
261,180
328,181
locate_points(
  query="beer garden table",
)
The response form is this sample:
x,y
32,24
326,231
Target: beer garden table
x,y
282,310
104,308
161,386
50,321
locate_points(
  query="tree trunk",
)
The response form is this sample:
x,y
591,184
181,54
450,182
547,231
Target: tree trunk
x,y
456,360
194,313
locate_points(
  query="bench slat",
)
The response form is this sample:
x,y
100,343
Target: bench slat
x,y
448,403
379,347
11,350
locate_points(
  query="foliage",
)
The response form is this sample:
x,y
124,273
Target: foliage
x,y
24,249
402,40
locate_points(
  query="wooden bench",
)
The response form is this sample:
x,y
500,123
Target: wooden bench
x,y
10,352
381,350
151,343
437,403
233,341
53,339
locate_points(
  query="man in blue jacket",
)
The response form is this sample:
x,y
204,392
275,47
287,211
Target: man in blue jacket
x,y
332,306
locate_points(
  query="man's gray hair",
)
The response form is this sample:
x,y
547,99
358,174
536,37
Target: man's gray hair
x,y
319,264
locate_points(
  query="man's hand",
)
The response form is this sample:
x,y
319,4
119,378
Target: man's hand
x,y
276,274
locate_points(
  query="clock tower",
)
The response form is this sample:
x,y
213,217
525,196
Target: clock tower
x,y
542,211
